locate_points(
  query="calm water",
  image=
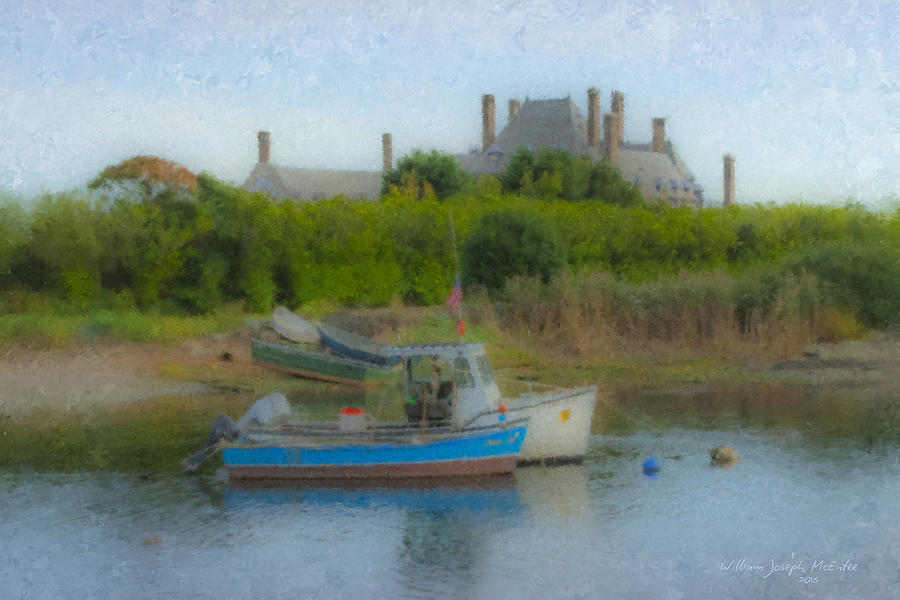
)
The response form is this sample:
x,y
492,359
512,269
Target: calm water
x,y
815,497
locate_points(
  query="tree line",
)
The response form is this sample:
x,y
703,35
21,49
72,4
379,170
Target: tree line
x,y
149,235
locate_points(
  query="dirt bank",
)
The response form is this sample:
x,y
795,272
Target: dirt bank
x,y
83,377
875,359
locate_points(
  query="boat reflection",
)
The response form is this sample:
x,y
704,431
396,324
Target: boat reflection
x,y
494,495
559,494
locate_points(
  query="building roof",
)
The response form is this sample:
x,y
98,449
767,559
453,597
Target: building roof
x,y
556,124
313,184
639,164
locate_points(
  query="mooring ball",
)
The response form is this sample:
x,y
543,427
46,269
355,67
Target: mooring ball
x,y
723,454
651,464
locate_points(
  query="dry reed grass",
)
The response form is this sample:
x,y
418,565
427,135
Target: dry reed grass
x,y
692,313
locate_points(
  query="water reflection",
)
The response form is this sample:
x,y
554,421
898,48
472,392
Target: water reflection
x,y
477,495
868,416
442,550
808,482
440,529
557,494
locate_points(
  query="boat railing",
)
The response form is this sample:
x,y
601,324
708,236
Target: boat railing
x,y
382,432
527,386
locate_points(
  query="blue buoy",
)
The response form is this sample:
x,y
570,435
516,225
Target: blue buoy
x,y
651,464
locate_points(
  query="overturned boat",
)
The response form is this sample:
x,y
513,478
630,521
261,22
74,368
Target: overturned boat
x,y
298,361
303,351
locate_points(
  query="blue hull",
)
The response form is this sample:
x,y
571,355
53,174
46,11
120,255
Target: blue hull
x,y
482,452
357,347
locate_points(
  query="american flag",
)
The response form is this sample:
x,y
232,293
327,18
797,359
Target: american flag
x,y
455,296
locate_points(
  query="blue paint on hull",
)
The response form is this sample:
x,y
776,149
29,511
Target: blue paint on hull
x,y
464,447
357,347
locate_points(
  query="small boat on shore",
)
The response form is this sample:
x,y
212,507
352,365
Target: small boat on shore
x,y
293,327
358,347
318,365
321,352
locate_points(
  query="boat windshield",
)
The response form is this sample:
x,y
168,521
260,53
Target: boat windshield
x,y
484,369
422,369
463,372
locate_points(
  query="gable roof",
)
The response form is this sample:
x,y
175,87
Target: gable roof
x,y
556,124
559,125
639,164
313,184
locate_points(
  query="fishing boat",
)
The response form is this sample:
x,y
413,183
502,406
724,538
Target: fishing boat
x,y
560,418
293,359
384,450
468,396
265,445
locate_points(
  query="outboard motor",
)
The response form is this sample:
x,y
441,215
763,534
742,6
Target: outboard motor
x,y
268,410
223,429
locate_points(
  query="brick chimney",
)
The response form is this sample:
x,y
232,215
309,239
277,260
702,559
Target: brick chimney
x,y
659,135
514,107
263,138
610,128
617,105
728,179
593,117
387,151
487,121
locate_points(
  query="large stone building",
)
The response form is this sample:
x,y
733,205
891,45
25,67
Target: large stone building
x,y
655,167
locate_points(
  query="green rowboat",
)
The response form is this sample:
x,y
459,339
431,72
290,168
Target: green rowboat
x,y
315,365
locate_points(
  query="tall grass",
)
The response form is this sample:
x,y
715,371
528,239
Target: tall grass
x,y
151,436
49,329
762,315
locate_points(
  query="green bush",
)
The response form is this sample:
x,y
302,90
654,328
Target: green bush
x,y
434,172
172,250
508,243
862,279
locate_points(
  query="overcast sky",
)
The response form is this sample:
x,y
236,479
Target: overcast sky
x,y
806,95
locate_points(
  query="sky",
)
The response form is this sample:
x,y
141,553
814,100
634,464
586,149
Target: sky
x,y
804,94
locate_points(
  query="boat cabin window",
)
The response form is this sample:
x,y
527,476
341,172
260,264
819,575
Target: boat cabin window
x,y
431,384
463,373
422,369
484,369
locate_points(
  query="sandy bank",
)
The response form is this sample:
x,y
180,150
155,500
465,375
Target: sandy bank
x,y
874,360
84,377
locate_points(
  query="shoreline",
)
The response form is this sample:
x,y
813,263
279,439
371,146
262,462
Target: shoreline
x,y
79,377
